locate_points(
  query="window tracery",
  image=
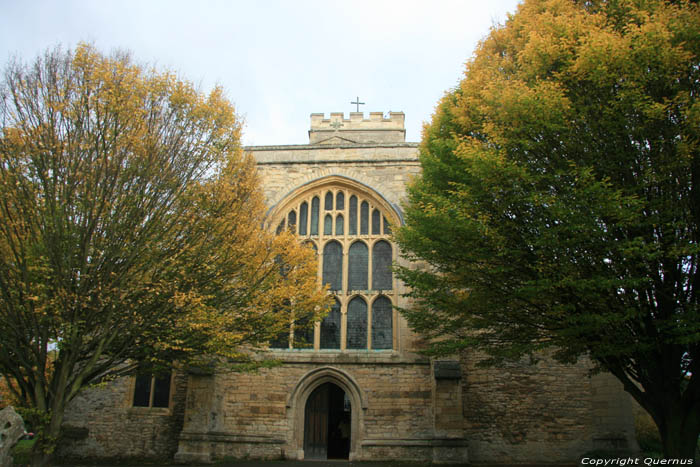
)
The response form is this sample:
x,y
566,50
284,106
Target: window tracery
x,y
355,261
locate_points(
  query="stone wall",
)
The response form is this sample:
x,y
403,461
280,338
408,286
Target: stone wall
x,y
548,412
261,415
101,423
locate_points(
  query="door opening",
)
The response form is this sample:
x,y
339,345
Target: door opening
x,y
327,423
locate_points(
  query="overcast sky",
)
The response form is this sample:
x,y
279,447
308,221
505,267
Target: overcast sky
x,y
279,61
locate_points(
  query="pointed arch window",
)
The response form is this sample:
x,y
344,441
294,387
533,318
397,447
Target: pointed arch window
x,y
381,266
303,215
328,225
315,207
358,260
352,216
350,228
339,224
382,323
357,324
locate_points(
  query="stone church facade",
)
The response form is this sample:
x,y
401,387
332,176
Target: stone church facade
x,y
355,388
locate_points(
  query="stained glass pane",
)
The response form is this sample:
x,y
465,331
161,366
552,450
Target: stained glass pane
x,y
364,218
328,203
328,225
292,220
358,259
340,201
387,227
315,208
381,266
352,216
280,227
357,324
376,222
333,265
142,390
161,391
330,328
381,324
303,215
339,224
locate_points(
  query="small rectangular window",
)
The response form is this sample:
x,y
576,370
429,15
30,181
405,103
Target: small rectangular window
x,y
152,391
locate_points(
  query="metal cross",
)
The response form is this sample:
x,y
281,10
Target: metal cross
x,y
358,103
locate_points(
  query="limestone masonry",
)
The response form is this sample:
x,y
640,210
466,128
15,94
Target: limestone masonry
x,y
358,390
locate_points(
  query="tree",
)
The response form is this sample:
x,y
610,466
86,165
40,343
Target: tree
x,y
559,202
132,232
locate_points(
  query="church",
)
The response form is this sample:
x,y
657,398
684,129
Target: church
x,y
355,387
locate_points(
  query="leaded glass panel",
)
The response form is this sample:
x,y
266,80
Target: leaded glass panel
x,y
315,208
340,201
303,215
387,227
352,216
364,218
357,324
382,329
381,266
330,328
333,265
328,203
292,219
358,259
328,225
376,222
339,224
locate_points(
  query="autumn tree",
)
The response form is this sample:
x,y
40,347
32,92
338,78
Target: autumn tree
x,y
132,231
559,203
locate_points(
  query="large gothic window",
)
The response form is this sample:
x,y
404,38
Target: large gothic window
x,y
349,227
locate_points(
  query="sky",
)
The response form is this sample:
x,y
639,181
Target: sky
x,y
278,61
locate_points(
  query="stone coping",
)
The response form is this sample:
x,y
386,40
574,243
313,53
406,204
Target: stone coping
x,y
305,147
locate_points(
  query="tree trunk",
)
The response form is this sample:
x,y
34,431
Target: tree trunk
x,y
679,432
45,447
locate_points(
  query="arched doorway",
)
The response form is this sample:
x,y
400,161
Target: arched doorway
x,y
327,423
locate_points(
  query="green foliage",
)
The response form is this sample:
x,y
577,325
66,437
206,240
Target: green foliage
x,y
559,205
22,452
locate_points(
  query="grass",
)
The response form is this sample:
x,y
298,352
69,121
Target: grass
x,y
22,451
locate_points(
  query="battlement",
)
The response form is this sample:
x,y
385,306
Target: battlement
x,y
357,129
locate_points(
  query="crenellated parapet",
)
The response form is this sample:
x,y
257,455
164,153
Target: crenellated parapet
x,y
357,129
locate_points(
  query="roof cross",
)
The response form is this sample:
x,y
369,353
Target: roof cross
x,y
358,103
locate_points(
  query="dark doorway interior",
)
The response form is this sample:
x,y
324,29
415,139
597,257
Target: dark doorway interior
x,y
327,423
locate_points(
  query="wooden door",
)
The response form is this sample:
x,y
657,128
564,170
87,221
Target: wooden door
x,y
316,424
